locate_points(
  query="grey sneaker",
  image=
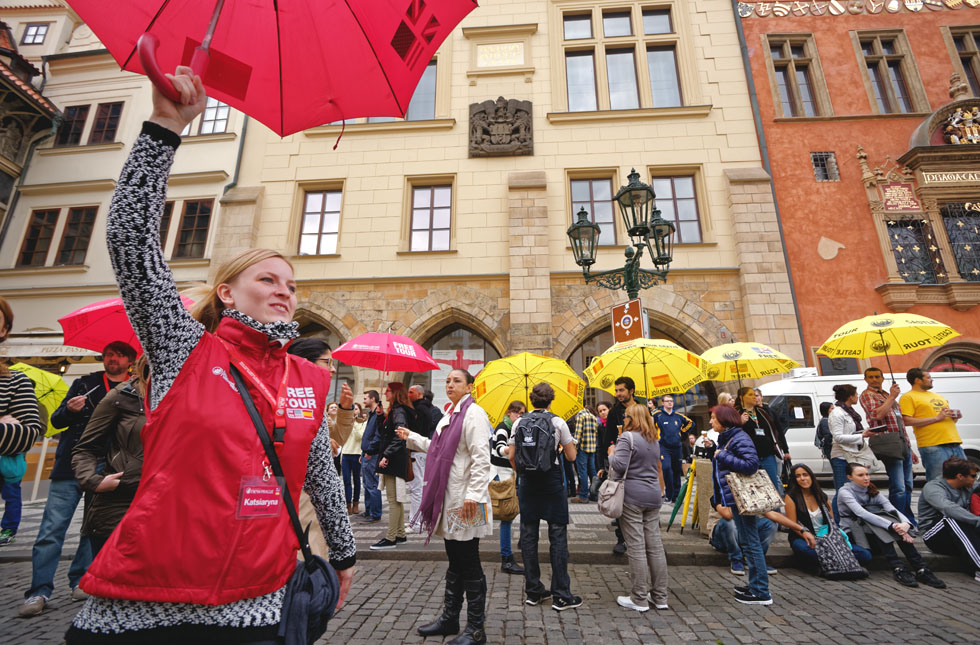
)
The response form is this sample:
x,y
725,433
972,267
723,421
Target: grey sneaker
x,y
33,606
78,594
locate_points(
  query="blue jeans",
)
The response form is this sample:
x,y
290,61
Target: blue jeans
x,y
934,456
750,540
839,466
372,496
561,585
585,465
803,550
350,466
724,537
63,498
10,492
770,464
506,550
900,485
670,460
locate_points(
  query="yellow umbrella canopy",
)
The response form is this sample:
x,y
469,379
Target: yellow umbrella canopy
x,y
511,378
884,334
49,388
657,366
745,360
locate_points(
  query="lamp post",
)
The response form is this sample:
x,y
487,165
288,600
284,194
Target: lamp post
x,y
647,230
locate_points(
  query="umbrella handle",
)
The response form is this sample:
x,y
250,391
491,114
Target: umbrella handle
x,y
146,47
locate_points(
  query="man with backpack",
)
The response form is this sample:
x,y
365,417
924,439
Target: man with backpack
x,y
537,439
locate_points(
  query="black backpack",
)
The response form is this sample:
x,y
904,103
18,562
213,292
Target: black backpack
x,y
534,443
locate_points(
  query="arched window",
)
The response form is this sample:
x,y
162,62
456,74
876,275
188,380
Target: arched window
x,y
345,373
956,357
455,346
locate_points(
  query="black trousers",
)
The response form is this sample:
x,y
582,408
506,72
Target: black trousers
x,y
464,558
888,550
952,537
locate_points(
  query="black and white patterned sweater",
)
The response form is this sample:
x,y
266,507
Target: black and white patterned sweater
x,y
168,334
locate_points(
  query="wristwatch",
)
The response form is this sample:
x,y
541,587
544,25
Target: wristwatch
x,y
803,529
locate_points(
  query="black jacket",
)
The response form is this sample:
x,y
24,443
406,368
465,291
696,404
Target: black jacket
x,y
772,438
429,416
392,448
615,418
75,422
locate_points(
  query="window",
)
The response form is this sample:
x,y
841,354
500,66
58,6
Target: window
x,y
106,123
795,410
431,218
606,68
422,107
824,166
34,33
70,132
455,346
37,241
215,119
168,211
76,236
966,47
793,70
963,228
886,63
321,223
192,235
837,367
678,204
595,196
909,240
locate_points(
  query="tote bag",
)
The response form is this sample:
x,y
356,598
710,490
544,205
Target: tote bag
x,y
837,561
503,498
754,494
612,491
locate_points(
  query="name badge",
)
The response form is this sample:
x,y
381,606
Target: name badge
x,y
759,432
258,498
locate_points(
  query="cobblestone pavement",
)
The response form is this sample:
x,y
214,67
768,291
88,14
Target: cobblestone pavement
x,y
390,599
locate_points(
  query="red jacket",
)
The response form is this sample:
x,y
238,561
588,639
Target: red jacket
x,y
180,541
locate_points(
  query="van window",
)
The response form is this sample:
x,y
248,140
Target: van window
x,y
794,410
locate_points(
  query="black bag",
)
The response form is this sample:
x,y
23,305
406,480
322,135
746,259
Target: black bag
x,y
887,445
837,561
313,590
535,443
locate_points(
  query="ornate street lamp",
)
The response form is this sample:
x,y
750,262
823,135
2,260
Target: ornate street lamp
x,y
644,225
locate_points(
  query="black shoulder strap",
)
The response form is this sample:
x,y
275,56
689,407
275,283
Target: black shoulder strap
x,y
270,452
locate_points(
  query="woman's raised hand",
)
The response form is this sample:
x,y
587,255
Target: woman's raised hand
x,y
346,397
176,116
402,432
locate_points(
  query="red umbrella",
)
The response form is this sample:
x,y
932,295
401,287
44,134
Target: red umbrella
x,y
385,352
291,65
100,323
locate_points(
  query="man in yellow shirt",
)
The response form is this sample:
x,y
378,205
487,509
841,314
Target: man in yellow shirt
x,y
933,421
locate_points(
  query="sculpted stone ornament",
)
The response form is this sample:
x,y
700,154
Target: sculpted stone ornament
x,y
501,128
963,126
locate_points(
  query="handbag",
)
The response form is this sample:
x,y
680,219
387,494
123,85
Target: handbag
x,y
753,494
313,590
887,445
503,499
613,491
837,561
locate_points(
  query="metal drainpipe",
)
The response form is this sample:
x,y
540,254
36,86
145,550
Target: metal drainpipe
x,y
238,160
764,150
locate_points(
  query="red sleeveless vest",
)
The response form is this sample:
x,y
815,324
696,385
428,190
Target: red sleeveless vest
x,y
180,540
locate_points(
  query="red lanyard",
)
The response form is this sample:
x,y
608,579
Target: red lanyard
x,y
278,402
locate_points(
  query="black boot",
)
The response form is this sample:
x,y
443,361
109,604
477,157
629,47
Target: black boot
x,y
476,602
448,623
508,565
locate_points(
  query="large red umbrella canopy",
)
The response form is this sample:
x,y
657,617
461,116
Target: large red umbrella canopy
x,y
291,64
385,352
96,325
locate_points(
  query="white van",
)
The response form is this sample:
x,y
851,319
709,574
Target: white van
x,y
796,400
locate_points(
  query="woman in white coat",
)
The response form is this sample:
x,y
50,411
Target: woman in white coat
x,y
457,477
850,438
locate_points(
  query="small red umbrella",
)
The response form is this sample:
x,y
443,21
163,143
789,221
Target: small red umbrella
x,y
290,64
385,352
100,323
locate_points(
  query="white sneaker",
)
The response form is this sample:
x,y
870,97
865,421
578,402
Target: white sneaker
x,y
656,606
976,576
626,601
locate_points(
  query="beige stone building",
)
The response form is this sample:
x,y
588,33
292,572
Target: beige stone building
x,y
409,226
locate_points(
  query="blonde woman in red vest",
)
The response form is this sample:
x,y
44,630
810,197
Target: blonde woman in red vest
x,y
192,560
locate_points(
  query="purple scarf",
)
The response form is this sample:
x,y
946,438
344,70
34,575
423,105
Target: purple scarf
x,y
442,453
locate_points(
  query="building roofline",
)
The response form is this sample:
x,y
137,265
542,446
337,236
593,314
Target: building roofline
x,y
79,54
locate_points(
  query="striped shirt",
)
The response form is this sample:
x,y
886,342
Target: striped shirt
x,y
17,399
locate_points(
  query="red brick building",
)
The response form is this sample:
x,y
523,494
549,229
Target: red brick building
x,y
875,157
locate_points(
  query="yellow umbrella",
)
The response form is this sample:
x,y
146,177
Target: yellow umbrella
x,y
745,360
511,379
657,366
884,334
49,388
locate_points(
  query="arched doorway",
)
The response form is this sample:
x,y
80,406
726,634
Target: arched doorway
x,y
310,327
694,403
454,346
956,357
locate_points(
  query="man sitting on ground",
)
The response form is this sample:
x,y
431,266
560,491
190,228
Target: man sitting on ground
x,y
947,524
